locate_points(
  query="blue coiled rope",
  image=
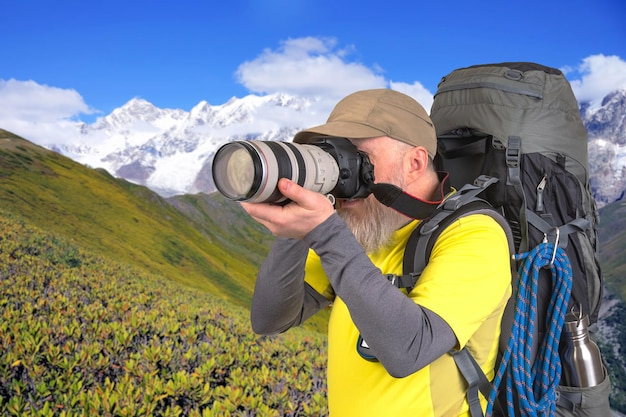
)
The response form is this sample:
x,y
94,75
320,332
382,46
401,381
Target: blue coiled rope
x,y
535,384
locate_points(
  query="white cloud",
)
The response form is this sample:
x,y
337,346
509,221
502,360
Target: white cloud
x,y
40,112
597,76
316,67
311,67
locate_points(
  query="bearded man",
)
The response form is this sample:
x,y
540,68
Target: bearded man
x,y
389,351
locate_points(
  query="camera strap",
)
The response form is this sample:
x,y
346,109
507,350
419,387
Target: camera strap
x,y
411,206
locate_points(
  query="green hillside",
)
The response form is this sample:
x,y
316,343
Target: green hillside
x,y
613,246
131,223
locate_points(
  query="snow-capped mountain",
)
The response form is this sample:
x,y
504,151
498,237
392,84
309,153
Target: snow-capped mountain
x,y
171,151
606,127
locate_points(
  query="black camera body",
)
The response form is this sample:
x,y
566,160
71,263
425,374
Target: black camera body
x,y
250,170
356,172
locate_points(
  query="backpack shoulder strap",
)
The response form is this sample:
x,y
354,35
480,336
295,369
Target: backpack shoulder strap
x,y
423,238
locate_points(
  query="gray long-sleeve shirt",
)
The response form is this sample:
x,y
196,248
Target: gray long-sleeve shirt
x,y
403,335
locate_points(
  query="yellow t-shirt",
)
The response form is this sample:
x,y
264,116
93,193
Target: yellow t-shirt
x,y
466,282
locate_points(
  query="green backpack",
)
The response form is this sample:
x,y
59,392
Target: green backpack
x,y
520,123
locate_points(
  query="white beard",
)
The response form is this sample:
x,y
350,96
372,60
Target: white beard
x,y
375,227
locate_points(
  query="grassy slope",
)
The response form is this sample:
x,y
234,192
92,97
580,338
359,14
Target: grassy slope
x,y
127,222
613,246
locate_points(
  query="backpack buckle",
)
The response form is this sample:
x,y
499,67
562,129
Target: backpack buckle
x,y
484,181
513,152
403,281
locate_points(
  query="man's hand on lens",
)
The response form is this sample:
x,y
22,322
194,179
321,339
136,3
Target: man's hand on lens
x,y
306,210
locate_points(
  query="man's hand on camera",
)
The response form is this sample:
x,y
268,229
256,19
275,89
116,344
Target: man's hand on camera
x,y
306,210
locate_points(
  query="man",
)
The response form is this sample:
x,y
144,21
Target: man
x,y
388,351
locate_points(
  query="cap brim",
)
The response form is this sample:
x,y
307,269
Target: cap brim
x,y
341,129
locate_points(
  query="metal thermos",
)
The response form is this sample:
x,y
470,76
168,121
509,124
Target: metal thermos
x,y
581,361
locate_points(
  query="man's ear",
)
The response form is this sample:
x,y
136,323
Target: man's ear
x,y
416,163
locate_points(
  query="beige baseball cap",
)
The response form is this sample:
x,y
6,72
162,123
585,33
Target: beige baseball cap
x,y
374,113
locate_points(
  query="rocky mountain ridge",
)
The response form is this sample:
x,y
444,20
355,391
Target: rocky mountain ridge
x,y
606,127
170,150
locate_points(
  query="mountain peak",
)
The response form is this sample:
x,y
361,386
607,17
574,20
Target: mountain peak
x,y
608,120
136,101
617,97
201,106
137,107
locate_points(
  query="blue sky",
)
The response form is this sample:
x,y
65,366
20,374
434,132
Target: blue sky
x,y
69,59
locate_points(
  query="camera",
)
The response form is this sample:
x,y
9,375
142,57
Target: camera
x,y
250,170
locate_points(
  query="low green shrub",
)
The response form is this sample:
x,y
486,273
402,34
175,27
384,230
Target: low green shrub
x,y
81,335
